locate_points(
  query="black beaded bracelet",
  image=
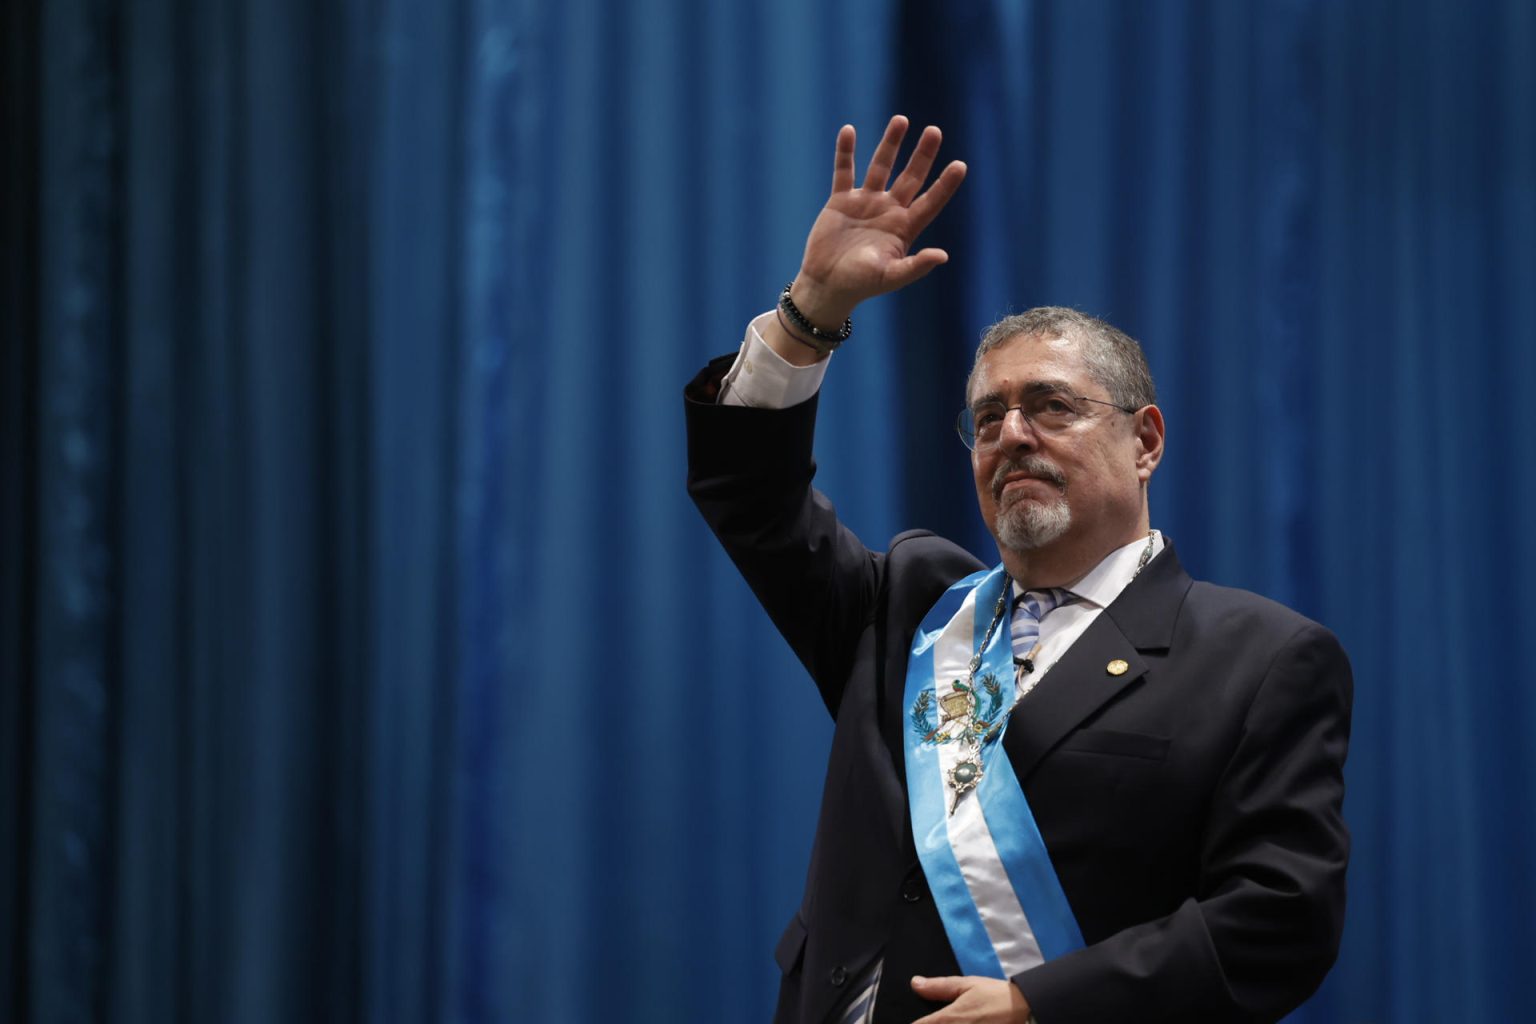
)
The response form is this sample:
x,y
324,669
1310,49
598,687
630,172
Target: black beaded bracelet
x,y
832,338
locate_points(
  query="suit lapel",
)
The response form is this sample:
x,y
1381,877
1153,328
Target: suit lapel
x,y
1140,619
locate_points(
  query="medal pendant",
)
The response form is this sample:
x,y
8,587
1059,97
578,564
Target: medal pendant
x,y
963,777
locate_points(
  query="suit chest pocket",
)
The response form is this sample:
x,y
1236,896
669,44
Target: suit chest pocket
x,y
1114,743
1109,788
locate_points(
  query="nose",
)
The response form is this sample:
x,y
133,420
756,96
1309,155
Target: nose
x,y
1018,433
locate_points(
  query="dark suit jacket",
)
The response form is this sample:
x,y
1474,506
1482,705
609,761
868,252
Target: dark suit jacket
x,y
1191,806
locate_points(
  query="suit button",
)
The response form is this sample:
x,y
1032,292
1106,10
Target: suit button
x,y
838,976
912,890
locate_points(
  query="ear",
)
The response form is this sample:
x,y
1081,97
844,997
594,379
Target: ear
x,y
1148,429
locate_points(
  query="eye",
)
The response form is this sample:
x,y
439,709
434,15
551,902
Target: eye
x,y
988,416
1053,410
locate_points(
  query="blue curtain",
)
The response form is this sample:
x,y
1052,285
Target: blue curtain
x,y
360,656
1320,219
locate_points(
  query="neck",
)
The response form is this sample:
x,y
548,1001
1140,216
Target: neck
x,y
1062,563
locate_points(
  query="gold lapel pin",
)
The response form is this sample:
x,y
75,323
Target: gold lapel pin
x,y
1118,667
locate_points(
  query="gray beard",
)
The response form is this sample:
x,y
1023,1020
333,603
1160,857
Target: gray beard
x,y
1029,525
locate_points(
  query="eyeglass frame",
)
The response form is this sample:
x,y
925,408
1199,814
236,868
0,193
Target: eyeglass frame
x,y
969,440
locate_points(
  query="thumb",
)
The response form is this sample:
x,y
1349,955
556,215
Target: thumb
x,y
909,268
938,989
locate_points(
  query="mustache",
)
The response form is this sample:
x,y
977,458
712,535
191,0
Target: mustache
x,y
1036,466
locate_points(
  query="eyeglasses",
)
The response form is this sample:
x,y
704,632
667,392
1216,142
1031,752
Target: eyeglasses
x,y
1048,410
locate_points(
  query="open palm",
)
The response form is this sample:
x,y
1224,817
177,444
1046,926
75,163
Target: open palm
x,y
860,245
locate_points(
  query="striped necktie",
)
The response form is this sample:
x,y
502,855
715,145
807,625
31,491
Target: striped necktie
x,y
862,1009
1028,611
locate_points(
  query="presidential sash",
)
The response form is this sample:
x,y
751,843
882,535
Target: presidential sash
x,y
987,867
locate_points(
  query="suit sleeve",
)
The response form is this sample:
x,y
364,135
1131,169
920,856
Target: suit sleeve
x,y
1264,924
749,473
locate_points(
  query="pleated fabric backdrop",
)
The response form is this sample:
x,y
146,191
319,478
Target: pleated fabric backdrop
x,y
360,655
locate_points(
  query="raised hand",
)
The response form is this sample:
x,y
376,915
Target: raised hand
x,y
859,245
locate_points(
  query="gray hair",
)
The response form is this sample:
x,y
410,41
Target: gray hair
x,y
1113,357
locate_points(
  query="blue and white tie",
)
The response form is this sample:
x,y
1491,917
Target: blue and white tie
x,y
1032,607
862,1009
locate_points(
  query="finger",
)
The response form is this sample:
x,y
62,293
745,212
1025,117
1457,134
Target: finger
x,y
842,160
911,180
932,989
885,154
927,206
939,990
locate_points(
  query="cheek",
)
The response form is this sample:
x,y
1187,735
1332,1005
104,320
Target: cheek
x,y
1114,476
1113,462
981,472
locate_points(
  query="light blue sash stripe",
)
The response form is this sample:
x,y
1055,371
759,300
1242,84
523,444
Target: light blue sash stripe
x,y
943,610
1022,850
1015,835
929,802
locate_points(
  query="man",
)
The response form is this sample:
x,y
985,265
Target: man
x,y
1077,787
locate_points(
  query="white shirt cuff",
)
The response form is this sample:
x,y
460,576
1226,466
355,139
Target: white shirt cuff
x,y
763,379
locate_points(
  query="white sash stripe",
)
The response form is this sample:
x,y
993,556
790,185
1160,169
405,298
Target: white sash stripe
x,y
1013,939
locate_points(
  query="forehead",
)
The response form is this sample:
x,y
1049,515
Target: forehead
x,y
1029,359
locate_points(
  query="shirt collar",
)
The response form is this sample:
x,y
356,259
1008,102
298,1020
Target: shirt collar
x,y
1103,583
